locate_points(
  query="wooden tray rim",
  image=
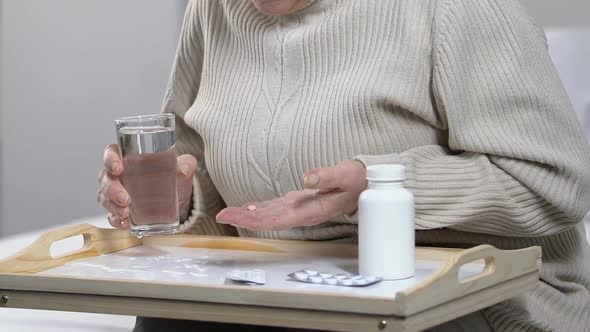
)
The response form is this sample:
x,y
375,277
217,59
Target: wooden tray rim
x,y
17,273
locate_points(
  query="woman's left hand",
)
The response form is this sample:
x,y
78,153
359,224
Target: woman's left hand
x,y
329,192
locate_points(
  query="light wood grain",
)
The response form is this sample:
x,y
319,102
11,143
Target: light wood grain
x,y
97,241
269,316
193,310
472,302
441,288
501,265
305,248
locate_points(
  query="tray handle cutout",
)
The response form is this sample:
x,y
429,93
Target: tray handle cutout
x,y
445,284
66,246
97,241
489,265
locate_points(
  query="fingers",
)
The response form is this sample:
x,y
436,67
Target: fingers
x,y
118,216
114,198
187,166
252,220
118,222
295,209
112,160
112,207
111,194
346,176
268,215
112,190
328,206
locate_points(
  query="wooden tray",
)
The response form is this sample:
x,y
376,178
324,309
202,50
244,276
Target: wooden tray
x,y
450,282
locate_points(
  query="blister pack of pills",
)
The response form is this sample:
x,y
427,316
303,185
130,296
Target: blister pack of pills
x,y
256,276
340,279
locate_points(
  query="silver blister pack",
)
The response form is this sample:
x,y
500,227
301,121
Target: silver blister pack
x,y
255,276
340,279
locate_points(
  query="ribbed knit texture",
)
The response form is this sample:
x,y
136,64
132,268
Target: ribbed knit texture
x,y
461,91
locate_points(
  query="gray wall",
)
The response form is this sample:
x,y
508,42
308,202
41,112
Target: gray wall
x,y
570,51
1,112
559,13
69,68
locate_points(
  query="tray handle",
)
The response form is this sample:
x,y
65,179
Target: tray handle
x,y
37,256
445,284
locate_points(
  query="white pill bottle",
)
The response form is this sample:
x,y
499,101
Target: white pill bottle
x,y
386,225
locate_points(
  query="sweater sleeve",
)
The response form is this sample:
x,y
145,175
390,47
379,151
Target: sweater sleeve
x,y
516,163
180,95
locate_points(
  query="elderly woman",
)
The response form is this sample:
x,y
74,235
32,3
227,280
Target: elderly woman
x,y
276,99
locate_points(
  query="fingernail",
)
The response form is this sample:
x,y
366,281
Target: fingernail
x,y
219,218
185,169
125,213
114,167
310,180
122,197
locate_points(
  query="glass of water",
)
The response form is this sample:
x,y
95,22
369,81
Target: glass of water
x,y
149,175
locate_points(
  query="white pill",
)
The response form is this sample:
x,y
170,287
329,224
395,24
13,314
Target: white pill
x,y
359,282
331,281
325,275
357,277
316,279
345,282
301,275
311,272
340,276
371,279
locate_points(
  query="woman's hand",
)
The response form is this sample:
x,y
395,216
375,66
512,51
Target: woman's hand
x,y
330,192
115,199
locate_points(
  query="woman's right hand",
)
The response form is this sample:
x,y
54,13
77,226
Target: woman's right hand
x,y
115,199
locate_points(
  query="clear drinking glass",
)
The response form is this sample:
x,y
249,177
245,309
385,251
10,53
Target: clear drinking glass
x,y
147,148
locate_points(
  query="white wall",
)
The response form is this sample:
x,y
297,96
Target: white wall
x,y
69,68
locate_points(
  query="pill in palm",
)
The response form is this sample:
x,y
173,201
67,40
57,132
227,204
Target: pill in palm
x,y
252,207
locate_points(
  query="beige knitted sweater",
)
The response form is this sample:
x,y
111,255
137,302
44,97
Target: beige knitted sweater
x,y
462,92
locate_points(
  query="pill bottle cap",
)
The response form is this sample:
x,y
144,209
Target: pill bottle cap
x,y
386,172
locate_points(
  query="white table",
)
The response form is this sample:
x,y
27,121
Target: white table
x,y
24,320
49,321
